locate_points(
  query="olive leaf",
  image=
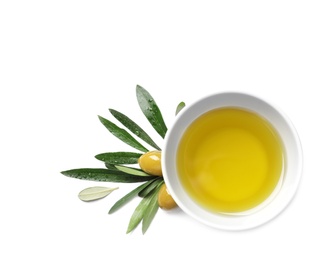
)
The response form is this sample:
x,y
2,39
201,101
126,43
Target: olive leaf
x,y
95,193
134,128
138,214
132,171
180,106
150,211
145,211
151,110
119,157
100,174
115,170
128,197
122,134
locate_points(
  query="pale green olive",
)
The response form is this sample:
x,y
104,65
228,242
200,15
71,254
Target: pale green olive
x,y
150,162
165,200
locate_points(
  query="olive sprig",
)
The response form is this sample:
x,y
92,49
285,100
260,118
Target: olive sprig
x,y
153,190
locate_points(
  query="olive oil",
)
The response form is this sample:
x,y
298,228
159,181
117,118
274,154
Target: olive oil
x,y
230,160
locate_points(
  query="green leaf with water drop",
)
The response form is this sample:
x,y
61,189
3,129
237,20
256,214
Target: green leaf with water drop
x,y
95,193
105,175
134,128
122,134
151,110
119,157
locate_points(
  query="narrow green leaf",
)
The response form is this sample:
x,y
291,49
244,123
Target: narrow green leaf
x,y
145,211
122,134
132,171
109,175
134,128
150,188
95,193
151,110
119,157
150,211
180,106
124,200
138,214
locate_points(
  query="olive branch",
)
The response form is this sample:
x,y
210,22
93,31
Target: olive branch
x,y
116,163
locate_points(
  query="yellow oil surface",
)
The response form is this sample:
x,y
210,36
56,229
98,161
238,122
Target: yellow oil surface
x,y
230,160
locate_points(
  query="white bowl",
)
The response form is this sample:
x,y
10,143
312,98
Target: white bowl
x,y
277,201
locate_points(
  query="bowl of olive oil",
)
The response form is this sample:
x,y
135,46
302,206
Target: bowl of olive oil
x,y
232,161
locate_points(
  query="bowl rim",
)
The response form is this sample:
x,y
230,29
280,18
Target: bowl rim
x,y
277,118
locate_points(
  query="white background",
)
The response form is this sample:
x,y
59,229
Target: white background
x,y
62,63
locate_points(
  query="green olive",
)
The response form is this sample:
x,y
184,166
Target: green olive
x,y
165,199
150,162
